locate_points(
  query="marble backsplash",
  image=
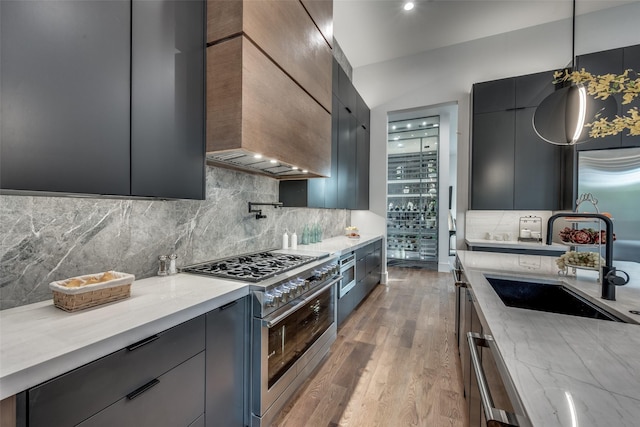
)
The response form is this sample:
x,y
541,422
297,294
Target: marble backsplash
x,y
52,238
499,224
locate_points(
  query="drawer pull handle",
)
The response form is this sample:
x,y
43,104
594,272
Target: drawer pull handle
x,y
494,416
144,342
137,392
228,305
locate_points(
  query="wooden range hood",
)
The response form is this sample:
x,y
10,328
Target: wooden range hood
x,y
269,76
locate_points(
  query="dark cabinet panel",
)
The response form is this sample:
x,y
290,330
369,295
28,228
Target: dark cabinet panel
x,y
346,92
226,382
83,392
496,95
598,63
493,151
631,60
173,399
537,167
65,96
167,100
331,184
532,89
363,113
103,97
362,168
346,159
348,185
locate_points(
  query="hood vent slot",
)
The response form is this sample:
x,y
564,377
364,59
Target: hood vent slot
x,y
244,160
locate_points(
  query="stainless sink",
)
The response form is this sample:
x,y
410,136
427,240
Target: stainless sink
x,y
546,296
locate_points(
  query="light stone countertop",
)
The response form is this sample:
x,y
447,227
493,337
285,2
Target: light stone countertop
x,y
340,245
514,244
39,341
567,370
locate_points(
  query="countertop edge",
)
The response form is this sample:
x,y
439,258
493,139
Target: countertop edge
x,y
18,380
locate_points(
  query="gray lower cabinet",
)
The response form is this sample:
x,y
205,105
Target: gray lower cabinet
x,y
226,366
125,379
175,398
194,374
368,268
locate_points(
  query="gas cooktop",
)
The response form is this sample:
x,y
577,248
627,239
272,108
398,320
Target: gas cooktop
x,y
250,267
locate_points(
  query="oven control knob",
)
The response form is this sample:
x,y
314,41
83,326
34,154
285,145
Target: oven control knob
x,y
269,299
277,296
291,286
299,285
284,290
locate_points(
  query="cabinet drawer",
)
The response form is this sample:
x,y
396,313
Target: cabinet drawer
x,y
174,399
76,395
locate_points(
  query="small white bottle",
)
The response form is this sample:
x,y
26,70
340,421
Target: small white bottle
x,y
285,241
294,241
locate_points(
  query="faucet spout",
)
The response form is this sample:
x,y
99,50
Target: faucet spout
x,y
608,271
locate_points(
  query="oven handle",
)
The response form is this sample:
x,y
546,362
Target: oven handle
x,y
494,416
270,322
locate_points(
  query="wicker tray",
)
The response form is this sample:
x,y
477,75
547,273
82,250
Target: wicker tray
x,y
79,298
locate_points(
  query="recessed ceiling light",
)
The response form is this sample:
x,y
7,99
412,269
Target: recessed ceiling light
x,y
295,168
304,171
424,123
408,5
273,161
257,156
400,144
396,138
393,127
436,125
408,125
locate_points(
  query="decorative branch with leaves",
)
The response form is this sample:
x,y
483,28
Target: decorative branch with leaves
x,y
603,86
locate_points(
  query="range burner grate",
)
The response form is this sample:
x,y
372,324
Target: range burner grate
x,y
250,267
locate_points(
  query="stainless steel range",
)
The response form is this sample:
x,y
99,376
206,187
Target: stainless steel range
x,y
293,321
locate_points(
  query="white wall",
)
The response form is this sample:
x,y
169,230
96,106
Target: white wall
x,y
446,75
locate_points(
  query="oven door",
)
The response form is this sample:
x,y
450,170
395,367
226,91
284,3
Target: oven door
x,y
287,341
348,273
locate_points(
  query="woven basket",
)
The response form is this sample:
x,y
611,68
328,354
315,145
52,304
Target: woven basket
x,y
74,299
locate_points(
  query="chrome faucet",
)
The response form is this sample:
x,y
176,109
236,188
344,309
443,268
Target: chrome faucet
x,y
608,274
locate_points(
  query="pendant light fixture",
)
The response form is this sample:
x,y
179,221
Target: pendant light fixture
x,y
561,117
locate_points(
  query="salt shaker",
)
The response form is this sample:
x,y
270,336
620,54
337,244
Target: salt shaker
x,y
285,241
172,264
162,265
294,240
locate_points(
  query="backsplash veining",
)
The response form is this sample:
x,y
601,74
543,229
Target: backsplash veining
x,y
52,238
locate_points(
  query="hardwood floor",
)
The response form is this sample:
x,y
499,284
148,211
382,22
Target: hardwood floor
x,y
395,362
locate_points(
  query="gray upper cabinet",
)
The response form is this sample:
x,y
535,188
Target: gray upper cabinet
x,y
609,61
613,61
631,60
537,167
492,156
167,99
103,97
65,96
511,166
348,186
496,95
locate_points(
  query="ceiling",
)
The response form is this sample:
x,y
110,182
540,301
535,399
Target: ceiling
x,y
371,31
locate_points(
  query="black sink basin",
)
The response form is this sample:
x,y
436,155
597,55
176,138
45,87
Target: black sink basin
x,y
553,298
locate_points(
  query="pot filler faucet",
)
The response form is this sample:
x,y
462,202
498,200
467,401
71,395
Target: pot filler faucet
x,y
258,212
609,278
